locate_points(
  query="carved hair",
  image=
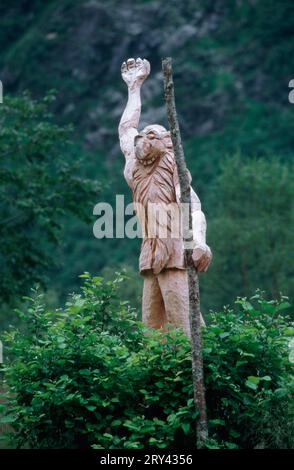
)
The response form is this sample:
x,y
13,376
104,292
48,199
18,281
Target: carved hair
x,y
154,127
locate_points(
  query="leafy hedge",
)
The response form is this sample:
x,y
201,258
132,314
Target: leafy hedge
x,y
92,375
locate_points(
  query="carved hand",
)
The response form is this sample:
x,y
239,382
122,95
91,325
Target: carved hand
x,y
134,72
202,257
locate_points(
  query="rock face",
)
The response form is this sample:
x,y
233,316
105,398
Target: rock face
x,y
77,48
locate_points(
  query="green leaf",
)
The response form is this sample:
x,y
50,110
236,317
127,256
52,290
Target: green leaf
x,y
185,427
247,305
207,350
224,335
91,407
289,331
252,382
282,306
267,378
231,445
116,422
219,422
85,372
253,379
159,384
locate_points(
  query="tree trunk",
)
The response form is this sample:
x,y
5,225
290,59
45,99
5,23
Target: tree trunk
x,y
194,300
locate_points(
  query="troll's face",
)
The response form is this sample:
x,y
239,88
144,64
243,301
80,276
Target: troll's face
x,y
151,143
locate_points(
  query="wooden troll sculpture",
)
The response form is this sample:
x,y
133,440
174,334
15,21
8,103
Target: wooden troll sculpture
x,y
151,172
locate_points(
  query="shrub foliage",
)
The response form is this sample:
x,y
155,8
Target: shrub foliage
x,y
91,375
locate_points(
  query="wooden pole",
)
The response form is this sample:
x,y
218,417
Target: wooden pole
x,y
194,299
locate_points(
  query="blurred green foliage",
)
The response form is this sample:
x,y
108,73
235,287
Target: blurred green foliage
x,y
250,230
39,186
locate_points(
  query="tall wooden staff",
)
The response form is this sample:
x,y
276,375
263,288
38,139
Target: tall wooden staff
x,y
194,300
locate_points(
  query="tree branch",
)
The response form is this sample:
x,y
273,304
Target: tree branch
x,y
194,299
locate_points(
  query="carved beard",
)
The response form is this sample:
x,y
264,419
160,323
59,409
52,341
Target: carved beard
x,y
155,184
148,160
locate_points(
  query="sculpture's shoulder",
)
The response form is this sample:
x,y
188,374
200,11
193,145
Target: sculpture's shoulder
x,y
129,171
126,140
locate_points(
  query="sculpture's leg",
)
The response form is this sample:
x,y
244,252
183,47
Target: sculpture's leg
x,y
153,311
174,288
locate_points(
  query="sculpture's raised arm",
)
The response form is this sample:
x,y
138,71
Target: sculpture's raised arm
x,y
133,73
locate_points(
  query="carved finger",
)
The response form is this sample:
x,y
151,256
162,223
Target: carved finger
x,y
207,262
200,267
147,65
131,63
197,263
203,263
209,253
195,257
124,67
139,61
197,254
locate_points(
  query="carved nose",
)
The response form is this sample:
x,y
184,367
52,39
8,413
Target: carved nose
x,y
169,143
137,138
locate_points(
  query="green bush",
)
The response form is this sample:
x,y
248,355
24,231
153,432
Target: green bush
x,y
92,375
41,186
247,366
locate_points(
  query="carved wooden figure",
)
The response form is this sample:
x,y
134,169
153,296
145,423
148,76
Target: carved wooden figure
x,y
151,172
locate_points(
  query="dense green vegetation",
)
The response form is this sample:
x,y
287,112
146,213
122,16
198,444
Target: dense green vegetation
x,y
39,186
91,375
67,370
251,230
